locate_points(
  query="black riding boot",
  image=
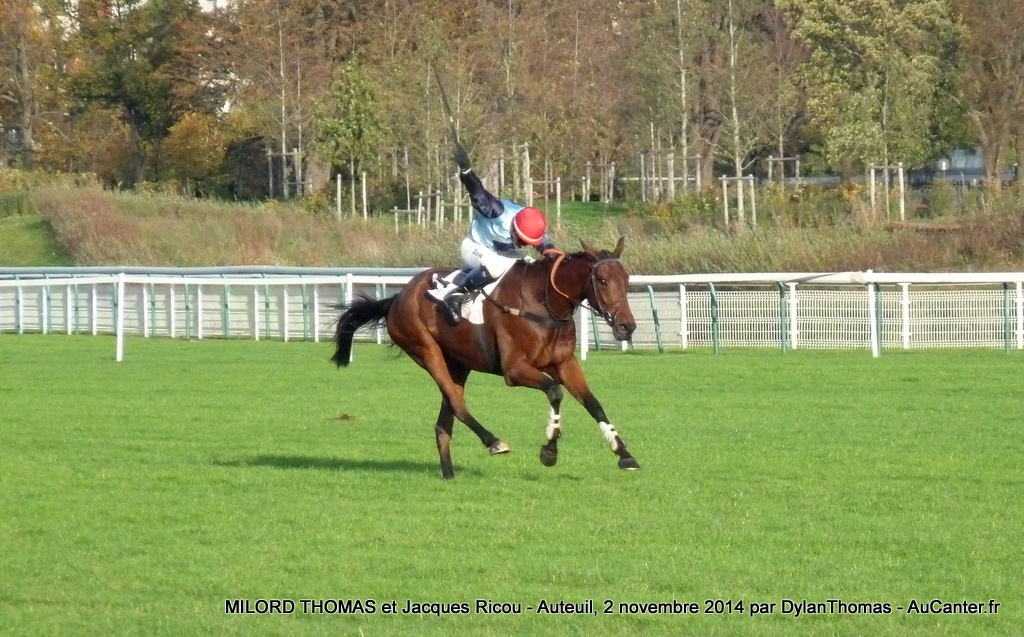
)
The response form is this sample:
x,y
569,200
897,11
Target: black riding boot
x,y
475,280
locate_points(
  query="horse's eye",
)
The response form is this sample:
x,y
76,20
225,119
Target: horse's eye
x,y
603,281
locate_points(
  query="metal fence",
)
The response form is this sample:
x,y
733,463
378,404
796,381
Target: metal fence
x,y
782,310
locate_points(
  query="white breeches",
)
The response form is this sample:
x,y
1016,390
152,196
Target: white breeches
x,y
496,263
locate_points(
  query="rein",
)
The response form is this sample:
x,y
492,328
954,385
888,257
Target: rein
x,y
550,322
606,314
551,277
553,321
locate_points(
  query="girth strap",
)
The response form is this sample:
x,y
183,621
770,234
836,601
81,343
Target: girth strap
x,y
490,356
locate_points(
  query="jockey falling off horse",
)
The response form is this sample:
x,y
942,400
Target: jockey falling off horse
x,y
499,231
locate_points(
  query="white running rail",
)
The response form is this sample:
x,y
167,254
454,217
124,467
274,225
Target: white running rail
x,y
872,311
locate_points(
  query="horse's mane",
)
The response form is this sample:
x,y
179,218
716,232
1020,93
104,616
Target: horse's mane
x,y
582,254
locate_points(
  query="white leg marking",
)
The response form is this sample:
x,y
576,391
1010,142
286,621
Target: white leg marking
x,y
610,434
554,424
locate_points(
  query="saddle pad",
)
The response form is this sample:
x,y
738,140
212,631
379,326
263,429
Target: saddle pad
x,y
473,308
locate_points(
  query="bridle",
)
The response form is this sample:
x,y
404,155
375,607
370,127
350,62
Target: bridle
x,y
608,314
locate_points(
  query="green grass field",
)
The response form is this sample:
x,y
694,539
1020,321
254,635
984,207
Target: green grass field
x,y
137,497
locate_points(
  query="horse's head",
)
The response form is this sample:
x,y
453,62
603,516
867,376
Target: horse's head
x,y
607,289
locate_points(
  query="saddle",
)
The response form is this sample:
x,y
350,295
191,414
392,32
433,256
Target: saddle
x,y
469,305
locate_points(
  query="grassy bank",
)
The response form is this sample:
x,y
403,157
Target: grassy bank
x,y
97,227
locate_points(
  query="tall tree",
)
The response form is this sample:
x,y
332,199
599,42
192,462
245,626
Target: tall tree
x,y
992,83
138,57
21,41
670,68
348,131
787,99
282,54
872,74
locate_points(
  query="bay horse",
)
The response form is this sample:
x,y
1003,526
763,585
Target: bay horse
x,y
528,336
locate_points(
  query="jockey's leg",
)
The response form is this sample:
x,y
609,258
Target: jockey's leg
x,y
471,253
445,285
452,293
571,376
486,266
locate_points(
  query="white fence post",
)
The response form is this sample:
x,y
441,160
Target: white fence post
x,y
19,310
145,314
794,323
199,312
93,306
284,313
684,326
120,317
316,313
905,314
255,313
44,299
172,319
871,319
1020,315
584,332
67,308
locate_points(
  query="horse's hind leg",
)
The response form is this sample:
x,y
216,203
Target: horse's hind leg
x,y
459,374
443,428
451,380
443,433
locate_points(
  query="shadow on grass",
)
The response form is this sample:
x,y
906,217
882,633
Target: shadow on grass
x,y
342,464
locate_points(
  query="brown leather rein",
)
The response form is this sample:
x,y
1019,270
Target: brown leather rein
x,y
552,321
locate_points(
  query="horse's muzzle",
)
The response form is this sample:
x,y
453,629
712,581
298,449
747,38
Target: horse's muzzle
x,y
623,325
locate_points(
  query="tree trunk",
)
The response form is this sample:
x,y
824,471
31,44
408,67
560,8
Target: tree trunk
x,y
992,162
845,171
138,158
318,175
27,103
684,109
736,158
1019,171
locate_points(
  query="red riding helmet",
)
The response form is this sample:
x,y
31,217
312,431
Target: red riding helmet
x,y
530,225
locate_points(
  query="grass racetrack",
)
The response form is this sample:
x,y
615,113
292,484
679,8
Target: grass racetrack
x,y
136,498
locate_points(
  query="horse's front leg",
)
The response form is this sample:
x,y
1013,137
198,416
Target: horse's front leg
x,y
571,375
524,375
549,450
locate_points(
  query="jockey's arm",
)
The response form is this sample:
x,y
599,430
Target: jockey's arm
x,y
483,202
547,247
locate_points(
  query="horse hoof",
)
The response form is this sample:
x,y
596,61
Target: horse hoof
x,y
548,457
498,447
629,464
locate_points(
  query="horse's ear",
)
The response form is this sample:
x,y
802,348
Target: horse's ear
x,y
589,249
618,247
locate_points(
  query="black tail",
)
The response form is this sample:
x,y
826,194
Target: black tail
x,y
360,312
